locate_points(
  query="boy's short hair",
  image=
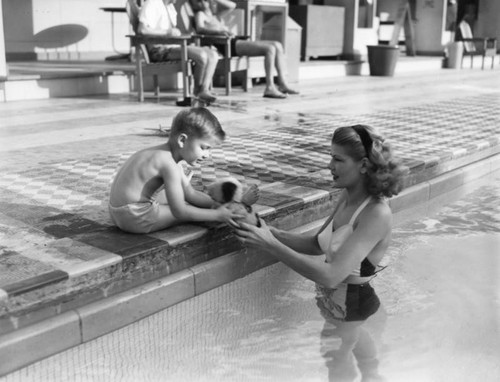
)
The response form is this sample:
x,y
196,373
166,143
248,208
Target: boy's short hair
x,y
197,121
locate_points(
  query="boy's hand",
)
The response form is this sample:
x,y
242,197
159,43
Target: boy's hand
x,y
228,216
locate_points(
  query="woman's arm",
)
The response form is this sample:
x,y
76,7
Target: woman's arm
x,y
209,26
374,224
306,243
223,7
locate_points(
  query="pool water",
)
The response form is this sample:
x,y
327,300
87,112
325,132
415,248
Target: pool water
x,y
439,319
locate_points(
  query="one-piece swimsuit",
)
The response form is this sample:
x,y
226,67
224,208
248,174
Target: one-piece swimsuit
x,y
354,299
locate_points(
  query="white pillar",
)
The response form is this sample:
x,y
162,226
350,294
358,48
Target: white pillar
x,y
3,63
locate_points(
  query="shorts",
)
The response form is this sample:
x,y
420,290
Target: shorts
x,y
136,217
347,302
222,47
160,53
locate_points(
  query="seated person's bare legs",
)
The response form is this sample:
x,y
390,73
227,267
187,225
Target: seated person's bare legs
x,y
273,58
205,63
280,65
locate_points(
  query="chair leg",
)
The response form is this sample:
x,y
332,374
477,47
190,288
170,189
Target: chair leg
x,y
141,86
482,65
472,61
138,71
245,80
156,84
227,69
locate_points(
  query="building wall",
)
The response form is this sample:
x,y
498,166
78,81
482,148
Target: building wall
x,y
488,19
355,39
429,26
64,29
430,36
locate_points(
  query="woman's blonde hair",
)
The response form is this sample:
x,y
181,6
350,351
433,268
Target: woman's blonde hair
x,y
385,174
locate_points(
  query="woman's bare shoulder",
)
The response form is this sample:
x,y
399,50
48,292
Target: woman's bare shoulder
x,y
377,211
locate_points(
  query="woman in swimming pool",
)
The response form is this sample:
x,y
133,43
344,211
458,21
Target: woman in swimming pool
x,y
353,239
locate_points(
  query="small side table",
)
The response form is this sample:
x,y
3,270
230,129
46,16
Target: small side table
x,y
119,56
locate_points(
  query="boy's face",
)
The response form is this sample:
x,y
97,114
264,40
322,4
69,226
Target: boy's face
x,y
194,149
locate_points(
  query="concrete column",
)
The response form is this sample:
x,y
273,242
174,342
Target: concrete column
x,y
3,63
429,27
351,9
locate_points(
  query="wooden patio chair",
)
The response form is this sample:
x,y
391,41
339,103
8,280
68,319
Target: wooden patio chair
x,y
144,66
476,46
229,64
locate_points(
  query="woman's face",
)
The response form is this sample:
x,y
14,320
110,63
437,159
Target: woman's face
x,y
344,169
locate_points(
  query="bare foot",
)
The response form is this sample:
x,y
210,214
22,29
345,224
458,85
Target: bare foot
x,y
287,90
251,195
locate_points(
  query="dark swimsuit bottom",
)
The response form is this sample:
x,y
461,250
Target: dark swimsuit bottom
x,y
222,47
349,302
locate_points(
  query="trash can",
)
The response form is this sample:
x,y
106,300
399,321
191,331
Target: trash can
x,y
455,54
353,68
382,59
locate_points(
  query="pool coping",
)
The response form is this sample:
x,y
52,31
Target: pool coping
x,y
74,327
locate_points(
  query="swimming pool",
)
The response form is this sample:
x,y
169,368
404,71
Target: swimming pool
x,y
439,319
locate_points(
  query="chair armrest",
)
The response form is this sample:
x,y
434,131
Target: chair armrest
x,y
154,39
473,39
217,39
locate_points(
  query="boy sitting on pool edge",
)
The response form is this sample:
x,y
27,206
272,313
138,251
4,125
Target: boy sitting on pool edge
x,y
151,192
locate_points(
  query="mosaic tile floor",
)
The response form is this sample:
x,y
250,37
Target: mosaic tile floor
x,y
61,155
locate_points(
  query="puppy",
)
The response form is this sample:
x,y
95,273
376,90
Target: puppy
x,y
229,191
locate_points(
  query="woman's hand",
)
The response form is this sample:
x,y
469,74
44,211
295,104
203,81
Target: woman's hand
x,y
255,237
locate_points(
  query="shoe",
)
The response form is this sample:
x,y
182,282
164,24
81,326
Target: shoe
x,y
184,101
274,94
286,90
206,97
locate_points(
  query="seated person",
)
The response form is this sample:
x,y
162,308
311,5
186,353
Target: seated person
x,y
151,192
208,21
159,17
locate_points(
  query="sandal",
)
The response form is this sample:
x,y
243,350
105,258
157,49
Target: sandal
x,y
206,97
274,94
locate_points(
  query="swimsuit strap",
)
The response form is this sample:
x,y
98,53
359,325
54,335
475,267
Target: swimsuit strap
x,y
358,211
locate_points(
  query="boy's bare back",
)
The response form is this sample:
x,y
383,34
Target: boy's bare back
x,y
140,177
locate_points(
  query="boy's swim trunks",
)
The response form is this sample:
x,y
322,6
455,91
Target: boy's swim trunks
x,y
136,217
